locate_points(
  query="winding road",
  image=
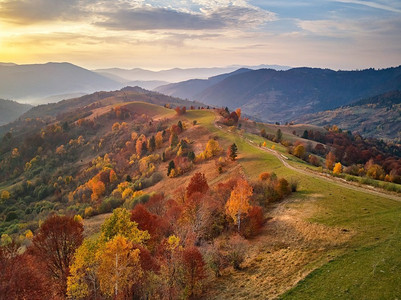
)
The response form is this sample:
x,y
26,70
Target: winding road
x,y
337,181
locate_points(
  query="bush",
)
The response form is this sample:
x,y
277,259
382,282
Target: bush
x,y
109,204
293,185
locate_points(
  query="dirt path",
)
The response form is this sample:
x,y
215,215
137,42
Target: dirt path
x,y
337,181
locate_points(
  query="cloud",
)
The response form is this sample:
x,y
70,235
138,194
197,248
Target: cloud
x,y
210,17
372,5
148,18
34,11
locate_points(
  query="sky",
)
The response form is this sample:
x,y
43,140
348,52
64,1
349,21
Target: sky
x,y
161,34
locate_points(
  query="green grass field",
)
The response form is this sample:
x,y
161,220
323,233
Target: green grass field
x,y
366,267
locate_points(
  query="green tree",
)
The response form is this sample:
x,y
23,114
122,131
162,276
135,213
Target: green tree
x,y
279,135
119,223
232,152
171,166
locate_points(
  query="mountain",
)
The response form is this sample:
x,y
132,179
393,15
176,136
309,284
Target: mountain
x,y
272,95
29,82
191,89
147,85
11,110
176,74
378,116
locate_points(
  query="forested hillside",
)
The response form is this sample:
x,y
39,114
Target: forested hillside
x,y
284,95
378,116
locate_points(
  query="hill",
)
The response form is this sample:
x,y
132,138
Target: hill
x,y
172,179
29,82
11,110
272,95
83,106
378,116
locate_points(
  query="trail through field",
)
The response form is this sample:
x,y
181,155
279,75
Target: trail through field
x,y
337,181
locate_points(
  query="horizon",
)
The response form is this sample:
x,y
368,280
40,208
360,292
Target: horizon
x,y
239,66
159,35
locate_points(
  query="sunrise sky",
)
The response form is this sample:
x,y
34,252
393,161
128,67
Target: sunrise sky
x,y
343,34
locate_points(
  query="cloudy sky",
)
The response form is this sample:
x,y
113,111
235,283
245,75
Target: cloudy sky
x,y
158,34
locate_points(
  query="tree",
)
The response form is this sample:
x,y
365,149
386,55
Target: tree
x,y
330,160
198,183
193,271
212,148
299,151
83,281
119,223
55,245
238,204
337,168
179,124
279,135
171,166
232,152
159,139
173,139
152,144
5,195
238,112
119,266
305,135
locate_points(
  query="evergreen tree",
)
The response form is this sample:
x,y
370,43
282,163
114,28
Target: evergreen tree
x,y
171,166
232,152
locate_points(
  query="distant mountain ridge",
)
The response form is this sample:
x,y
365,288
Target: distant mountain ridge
x,y
11,110
24,82
192,89
272,95
176,74
378,116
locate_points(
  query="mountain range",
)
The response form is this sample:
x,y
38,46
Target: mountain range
x,y
272,95
176,74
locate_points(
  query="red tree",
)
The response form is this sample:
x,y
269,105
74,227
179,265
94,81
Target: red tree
x,y
55,245
193,270
198,183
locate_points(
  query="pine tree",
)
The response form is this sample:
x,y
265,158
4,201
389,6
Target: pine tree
x,y
232,152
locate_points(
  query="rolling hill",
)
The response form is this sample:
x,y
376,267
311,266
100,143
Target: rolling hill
x,y
378,116
11,110
272,95
78,107
30,82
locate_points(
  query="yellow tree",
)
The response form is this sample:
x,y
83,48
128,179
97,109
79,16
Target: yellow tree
x,y
299,151
337,168
5,195
212,148
238,204
83,281
119,266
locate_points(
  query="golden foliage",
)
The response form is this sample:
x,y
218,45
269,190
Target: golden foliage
x,y
337,168
119,266
238,203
